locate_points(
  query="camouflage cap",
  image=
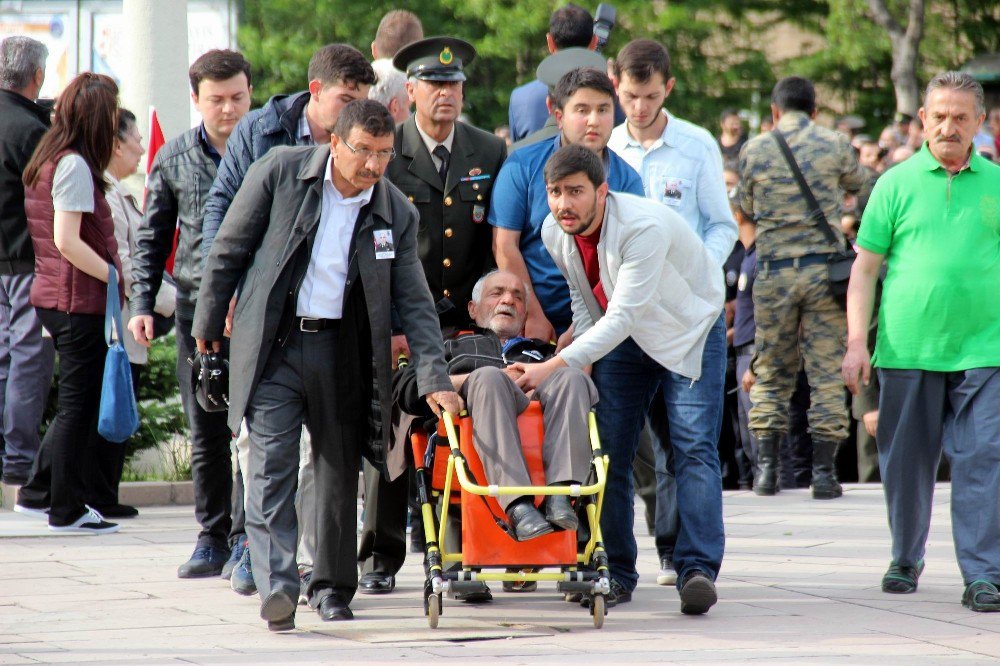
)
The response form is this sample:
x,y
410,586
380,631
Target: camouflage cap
x,y
435,58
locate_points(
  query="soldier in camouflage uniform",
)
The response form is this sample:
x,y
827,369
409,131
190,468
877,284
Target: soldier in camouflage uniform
x,y
795,311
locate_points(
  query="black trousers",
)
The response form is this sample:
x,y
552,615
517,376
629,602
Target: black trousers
x,y
382,546
211,457
108,462
299,385
59,474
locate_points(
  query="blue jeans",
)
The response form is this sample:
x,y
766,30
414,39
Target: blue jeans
x,y
626,381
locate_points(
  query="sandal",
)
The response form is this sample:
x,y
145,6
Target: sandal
x,y
902,579
981,596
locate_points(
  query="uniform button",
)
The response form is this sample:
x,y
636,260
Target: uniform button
x,y
449,232
475,186
446,263
479,197
447,201
410,198
447,294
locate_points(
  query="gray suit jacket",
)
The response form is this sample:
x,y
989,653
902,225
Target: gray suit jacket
x,y
276,212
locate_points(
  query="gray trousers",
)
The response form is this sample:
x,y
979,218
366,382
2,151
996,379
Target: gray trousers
x,y
298,388
26,361
305,495
494,401
922,413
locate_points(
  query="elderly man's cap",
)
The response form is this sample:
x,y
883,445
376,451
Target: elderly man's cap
x,y
564,61
435,58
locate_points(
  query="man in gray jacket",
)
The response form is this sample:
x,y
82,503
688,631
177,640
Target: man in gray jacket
x,y
311,323
645,295
338,74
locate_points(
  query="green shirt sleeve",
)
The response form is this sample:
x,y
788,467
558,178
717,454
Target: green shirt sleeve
x,y
878,221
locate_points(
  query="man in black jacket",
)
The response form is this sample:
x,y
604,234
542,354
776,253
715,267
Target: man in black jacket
x,y
25,359
481,366
179,181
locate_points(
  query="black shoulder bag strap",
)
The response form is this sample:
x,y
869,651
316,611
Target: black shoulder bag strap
x,y
814,208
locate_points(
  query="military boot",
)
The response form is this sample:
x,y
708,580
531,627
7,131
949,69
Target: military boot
x,y
766,482
824,479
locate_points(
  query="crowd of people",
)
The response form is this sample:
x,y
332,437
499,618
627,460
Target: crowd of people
x,y
600,253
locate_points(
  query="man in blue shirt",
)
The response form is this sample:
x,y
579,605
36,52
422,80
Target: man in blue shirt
x,y
584,110
569,26
681,166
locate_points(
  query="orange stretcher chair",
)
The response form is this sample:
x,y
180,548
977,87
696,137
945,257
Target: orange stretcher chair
x,y
449,472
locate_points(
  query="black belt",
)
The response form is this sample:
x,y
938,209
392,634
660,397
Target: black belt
x,y
797,262
313,325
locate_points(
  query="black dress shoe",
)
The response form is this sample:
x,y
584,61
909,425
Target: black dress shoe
x,y
376,582
527,521
559,512
279,611
333,608
481,595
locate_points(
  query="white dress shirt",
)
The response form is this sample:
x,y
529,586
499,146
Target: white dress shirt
x,y
432,143
683,169
322,293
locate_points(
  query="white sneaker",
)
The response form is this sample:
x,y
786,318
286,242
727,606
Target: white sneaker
x,y
28,511
667,574
89,523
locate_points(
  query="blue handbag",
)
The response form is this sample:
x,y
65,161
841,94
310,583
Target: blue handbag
x,y
119,416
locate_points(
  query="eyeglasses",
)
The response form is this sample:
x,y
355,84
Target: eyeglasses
x,y
365,154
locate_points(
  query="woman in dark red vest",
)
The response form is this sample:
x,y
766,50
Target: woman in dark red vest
x,y
74,239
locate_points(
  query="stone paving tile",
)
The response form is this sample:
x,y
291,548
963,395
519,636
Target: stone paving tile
x,y
800,583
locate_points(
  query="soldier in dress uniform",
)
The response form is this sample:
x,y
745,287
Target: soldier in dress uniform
x,y
447,169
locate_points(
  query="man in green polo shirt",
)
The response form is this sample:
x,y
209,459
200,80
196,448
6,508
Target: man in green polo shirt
x,y
935,219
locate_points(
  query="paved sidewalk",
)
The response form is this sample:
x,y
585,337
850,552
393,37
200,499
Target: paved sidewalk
x,y
800,584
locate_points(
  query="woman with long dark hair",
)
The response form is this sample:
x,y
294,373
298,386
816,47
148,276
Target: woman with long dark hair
x,y
74,239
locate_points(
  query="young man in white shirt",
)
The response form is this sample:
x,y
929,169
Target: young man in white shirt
x,y
680,166
645,295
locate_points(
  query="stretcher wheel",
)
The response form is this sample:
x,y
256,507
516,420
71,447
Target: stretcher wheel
x,y
433,610
597,609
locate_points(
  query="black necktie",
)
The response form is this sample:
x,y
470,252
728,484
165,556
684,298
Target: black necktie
x,y
442,154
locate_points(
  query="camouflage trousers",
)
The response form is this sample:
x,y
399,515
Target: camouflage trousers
x,y
797,317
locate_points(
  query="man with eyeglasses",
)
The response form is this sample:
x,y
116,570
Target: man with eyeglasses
x,y
446,168
322,246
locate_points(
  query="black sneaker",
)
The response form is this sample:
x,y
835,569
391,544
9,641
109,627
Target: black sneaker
x,y
89,523
617,595
205,561
117,511
697,593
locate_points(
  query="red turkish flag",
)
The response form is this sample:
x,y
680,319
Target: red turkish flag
x,y
156,141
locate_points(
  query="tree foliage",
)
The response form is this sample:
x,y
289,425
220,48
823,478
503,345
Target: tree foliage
x,y
724,52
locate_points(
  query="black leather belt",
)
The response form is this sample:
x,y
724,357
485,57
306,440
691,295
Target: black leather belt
x,y
313,325
797,262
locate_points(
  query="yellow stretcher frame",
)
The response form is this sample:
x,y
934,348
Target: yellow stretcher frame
x,y
593,554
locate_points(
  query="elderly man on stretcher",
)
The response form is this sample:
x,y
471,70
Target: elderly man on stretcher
x,y
484,367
